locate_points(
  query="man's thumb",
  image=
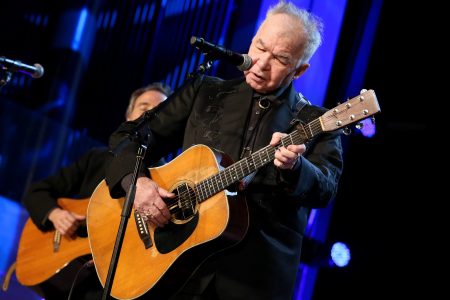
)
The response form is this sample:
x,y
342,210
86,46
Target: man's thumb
x,y
165,194
78,217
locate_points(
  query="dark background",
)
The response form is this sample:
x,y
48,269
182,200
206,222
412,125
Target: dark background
x,y
376,211
381,208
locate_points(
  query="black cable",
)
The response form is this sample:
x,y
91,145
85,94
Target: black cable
x,y
85,265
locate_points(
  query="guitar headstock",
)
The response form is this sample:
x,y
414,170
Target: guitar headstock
x,y
351,111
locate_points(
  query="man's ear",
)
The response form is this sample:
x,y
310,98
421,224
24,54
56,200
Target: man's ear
x,y
300,70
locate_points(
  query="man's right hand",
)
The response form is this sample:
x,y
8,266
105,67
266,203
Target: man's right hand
x,y
65,222
149,201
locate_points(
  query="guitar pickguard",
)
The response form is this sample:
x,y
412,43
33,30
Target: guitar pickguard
x,y
171,236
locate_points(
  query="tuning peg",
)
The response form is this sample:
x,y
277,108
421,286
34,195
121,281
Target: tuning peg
x,y
362,91
347,130
359,125
373,119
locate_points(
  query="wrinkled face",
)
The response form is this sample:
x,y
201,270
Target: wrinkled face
x,y
276,50
144,102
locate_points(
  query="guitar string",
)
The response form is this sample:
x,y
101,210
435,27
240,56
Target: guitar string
x,y
216,180
206,187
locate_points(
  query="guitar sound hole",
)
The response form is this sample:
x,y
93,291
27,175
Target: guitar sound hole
x,y
82,230
185,205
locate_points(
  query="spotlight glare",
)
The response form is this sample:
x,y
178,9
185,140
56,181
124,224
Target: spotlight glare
x,y
340,254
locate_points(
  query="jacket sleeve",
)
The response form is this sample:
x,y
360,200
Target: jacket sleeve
x,y
41,197
314,181
162,133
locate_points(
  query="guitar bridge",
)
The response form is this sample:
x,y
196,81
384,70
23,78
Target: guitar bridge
x,y
56,241
142,228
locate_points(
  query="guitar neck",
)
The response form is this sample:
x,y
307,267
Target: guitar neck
x,y
242,168
351,111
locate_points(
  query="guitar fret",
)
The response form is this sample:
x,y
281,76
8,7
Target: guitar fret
x,y
317,127
241,171
310,130
209,186
225,178
221,181
216,181
294,138
261,158
204,194
241,164
257,160
248,165
237,172
229,178
204,191
198,191
268,156
232,173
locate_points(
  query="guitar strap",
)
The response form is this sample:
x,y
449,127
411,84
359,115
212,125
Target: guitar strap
x,y
305,111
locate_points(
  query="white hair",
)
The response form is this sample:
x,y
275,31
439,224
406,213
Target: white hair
x,y
312,25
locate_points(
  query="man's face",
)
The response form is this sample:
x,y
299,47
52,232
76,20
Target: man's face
x,y
275,51
144,102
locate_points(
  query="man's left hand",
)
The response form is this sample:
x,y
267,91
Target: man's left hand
x,y
286,157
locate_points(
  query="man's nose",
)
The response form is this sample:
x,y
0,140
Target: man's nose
x,y
264,61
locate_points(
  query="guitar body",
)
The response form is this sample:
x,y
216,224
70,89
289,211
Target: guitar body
x,y
205,218
177,249
36,259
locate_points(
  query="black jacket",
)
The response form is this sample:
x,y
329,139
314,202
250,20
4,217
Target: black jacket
x,y
77,180
214,112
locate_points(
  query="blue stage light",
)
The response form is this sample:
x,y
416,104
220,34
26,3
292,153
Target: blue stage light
x,y
340,254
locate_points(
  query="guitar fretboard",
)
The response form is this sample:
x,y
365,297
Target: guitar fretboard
x,y
218,182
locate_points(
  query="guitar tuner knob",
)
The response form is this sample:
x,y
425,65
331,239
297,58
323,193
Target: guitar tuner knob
x,y
363,91
338,123
359,126
373,119
365,112
361,98
347,131
348,105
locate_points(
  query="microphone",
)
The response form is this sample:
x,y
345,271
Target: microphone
x,y
242,61
35,71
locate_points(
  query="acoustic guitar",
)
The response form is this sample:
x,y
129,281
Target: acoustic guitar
x,y
43,254
206,217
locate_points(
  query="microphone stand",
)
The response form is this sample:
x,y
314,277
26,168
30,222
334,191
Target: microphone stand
x,y
128,204
204,66
126,209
